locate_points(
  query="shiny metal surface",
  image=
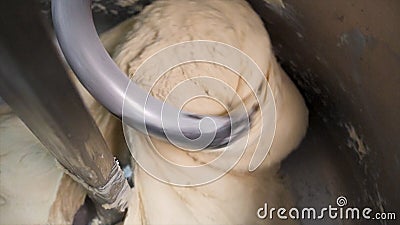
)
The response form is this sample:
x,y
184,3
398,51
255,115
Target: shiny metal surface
x,y
344,55
86,55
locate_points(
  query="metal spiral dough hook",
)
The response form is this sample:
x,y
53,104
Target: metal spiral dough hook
x,y
89,60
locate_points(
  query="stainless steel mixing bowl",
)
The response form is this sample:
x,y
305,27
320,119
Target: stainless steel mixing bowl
x,y
344,55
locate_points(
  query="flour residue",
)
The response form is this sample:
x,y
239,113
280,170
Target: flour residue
x,y
98,7
118,7
125,3
355,142
278,3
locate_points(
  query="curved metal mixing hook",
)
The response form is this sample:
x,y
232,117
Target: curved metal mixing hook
x,y
76,33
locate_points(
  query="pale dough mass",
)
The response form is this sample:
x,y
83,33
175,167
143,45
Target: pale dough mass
x,y
235,198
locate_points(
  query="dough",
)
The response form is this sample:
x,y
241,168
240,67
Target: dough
x,y
33,188
235,198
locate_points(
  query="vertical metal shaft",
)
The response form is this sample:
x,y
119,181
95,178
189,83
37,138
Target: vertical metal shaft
x,y
34,83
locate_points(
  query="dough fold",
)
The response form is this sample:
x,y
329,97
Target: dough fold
x,y
234,198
